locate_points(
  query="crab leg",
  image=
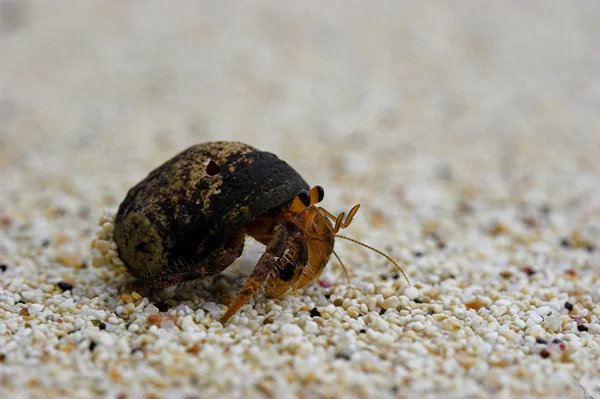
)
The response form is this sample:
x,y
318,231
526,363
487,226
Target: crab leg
x,y
291,266
258,276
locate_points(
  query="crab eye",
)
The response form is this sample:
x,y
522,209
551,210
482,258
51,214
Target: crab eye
x,y
316,194
300,202
304,196
321,193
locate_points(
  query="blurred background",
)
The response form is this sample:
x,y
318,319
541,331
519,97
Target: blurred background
x,y
389,96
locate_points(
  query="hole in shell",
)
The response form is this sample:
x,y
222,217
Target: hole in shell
x,y
212,168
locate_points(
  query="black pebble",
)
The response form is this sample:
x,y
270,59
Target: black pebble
x,y
395,275
581,327
382,311
136,350
162,307
417,300
343,355
363,331
102,326
314,313
569,306
92,346
418,254
530,272
3,267
541,341
556,341
64,286
327,296
565,243
383,276
545,209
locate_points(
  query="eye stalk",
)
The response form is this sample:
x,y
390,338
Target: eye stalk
x,y
306,199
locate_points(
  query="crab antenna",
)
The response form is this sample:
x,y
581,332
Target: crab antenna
x,y
338,258
339,222
375,250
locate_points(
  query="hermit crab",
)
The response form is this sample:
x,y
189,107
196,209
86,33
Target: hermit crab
x,y
189,219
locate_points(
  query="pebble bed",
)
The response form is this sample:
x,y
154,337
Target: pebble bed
x,y
473,152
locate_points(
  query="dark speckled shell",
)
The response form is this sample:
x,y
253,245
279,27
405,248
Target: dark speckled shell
x,y
181,212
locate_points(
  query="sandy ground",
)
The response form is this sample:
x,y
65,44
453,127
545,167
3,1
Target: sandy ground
x,y
469,134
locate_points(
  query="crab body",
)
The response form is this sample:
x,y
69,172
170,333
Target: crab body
x,y
189,218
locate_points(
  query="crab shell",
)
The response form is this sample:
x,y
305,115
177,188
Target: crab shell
x,y
197,200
